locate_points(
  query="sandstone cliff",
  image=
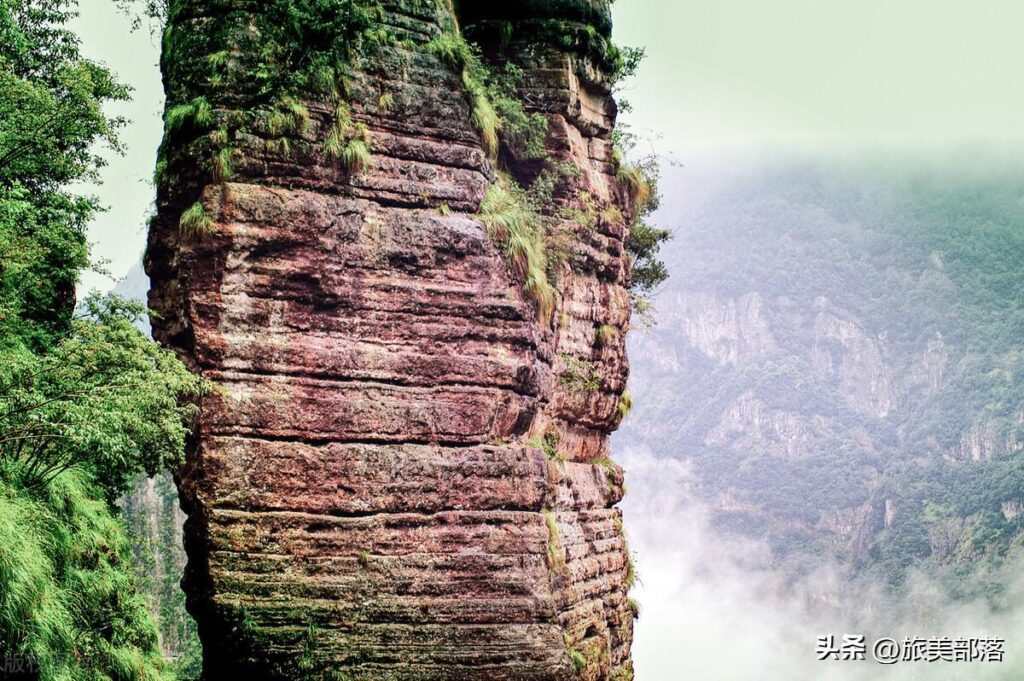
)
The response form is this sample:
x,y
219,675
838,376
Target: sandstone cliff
x,y
405,473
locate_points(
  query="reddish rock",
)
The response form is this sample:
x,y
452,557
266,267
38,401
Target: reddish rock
x,y
367,492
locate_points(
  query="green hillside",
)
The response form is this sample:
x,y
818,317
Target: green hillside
x,y
839,354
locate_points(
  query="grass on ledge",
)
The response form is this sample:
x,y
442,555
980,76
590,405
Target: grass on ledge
x,y
520,231
195,222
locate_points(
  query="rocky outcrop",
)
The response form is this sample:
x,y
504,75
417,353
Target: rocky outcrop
x,y
845,353
724,330
399,477
748,423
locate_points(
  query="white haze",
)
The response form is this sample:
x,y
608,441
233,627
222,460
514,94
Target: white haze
x,y
714,609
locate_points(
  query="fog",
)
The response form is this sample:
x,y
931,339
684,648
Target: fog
x,y
717,606
714,609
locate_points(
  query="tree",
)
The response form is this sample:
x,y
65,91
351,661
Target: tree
x,y
104,399
86,401
51,119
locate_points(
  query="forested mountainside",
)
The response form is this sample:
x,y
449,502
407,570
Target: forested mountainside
x,y
839,356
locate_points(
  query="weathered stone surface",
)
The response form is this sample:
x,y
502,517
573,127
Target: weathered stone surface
x,y
367,492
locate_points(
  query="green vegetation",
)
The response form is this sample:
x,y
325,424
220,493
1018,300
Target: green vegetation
x,y
648,271
154,520
549,445
86,402
196,222
625,405
579,375
289,116
194,114
640,181
637,185
519,229
348,141
522,134
67,595
355,156
511,136
247,624
604,334
579,660
261,64
579,28
629,576
926,266
306,661
222,162
241,78
457,53
496,110
104,399
634,607
50,124
556,552
620,674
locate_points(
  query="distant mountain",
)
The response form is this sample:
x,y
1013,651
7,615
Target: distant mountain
x,y
155,524
135,286
840,356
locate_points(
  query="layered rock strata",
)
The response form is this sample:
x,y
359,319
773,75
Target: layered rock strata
x,y
405,471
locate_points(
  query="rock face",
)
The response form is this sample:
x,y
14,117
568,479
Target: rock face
x,y
400,477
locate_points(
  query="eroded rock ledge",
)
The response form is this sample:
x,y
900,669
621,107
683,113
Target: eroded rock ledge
x,y
403,475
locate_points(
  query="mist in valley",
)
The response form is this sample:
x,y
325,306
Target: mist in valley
x,y
827,437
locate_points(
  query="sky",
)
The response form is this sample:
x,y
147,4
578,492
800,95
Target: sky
x,y
118,235
723,80
735,73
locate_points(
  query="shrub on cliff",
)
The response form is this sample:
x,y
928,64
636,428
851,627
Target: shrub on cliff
x,y
519,229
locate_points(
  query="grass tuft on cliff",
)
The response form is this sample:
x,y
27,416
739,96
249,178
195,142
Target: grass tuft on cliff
x,y
196,113
556,552
355,156
514,225
634,607
348,142
625,406
496,110
579,660
287,116
454,51
223,164
195,222
484,117
637,185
